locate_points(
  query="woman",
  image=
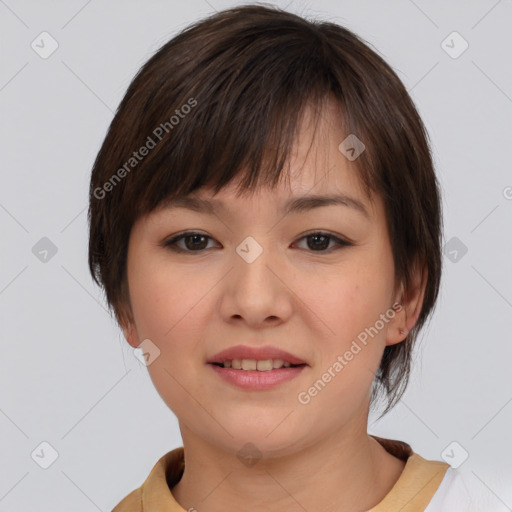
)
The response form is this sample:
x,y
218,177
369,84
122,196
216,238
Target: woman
x,y
265,220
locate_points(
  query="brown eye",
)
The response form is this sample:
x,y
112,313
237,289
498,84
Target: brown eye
x,y
320,241
192,242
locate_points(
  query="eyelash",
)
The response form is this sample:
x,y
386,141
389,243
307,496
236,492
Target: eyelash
x,y
171,243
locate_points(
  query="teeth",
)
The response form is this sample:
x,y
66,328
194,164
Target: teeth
x,y
253,364
249,364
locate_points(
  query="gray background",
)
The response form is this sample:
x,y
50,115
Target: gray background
x,y
67,376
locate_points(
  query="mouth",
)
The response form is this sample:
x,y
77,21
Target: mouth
x,y
256,368
264,365
256,375
265,358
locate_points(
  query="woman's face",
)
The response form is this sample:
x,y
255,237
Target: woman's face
x,y
256,279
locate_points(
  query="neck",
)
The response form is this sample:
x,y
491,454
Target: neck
x,y
344,471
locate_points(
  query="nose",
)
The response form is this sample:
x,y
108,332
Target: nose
x,y
257,290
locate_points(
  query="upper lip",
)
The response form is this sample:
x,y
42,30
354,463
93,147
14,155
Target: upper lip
x,y
258,353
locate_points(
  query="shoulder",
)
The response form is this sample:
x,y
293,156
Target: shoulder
x,y
131,503
163,476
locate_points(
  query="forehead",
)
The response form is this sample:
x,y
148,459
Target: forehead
x,y
294,204
317,173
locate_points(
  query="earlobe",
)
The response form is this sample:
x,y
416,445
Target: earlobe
x,y
414,304
410,305
125,320
396,333
131,335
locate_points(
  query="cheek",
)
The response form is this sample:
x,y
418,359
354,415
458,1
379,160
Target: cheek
x,y
163,299
349,349
350,300
347,315
169,307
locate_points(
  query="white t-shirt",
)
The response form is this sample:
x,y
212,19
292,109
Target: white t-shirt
x,y
456,494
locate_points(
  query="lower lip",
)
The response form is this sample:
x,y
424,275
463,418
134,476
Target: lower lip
x,y
256,380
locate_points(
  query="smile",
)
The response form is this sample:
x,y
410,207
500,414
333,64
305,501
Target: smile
x,y
253,364
250,377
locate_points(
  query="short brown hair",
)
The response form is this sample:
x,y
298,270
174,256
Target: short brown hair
x,y
224,98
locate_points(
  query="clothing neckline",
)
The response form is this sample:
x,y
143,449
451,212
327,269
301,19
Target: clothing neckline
x,y
412,492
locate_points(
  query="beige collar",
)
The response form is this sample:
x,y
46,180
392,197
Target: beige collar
x,y
412,492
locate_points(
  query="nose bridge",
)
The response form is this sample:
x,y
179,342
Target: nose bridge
x,y
255,292
251,266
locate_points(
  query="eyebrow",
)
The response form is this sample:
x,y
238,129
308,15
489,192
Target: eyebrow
x,y
293,205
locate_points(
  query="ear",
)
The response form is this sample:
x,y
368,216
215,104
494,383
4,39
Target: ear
x,y
409,307
131,334
127,324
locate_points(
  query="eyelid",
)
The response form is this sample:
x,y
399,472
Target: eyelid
x,y
340,238
170,243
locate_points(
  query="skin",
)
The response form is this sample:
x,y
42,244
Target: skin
x,y
310,302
